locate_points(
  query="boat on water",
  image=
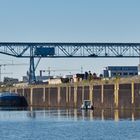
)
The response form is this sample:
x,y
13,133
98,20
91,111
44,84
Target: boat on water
x,y
12,99
87,104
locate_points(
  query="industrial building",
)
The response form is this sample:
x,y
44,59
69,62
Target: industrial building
x,y
122,71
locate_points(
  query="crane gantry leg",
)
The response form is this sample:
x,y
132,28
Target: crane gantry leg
x,y
32,77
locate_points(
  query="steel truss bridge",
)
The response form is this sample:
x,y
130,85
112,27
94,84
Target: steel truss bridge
x,y
67,50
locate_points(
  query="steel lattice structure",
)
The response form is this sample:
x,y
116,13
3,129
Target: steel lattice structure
x,y
73,49
69,50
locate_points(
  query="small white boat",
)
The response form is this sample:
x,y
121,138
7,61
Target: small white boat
x,y
87,104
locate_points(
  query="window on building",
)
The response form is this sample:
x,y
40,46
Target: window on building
x,y
131,73
125,73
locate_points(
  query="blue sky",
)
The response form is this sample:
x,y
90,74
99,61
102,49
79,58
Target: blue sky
x,y
69,21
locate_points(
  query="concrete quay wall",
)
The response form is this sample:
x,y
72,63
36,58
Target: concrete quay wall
x,y
119,96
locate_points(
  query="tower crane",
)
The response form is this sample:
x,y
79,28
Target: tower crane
x,y
9,64
49,70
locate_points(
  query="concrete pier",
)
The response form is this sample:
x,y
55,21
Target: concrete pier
x,y
117,96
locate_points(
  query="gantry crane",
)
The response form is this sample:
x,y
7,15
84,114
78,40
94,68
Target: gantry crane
x,y
67,50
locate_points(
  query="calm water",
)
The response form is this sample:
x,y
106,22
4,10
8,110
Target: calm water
x,y
71,124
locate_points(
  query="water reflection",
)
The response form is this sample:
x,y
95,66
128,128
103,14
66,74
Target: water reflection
x,y
76,114
70,114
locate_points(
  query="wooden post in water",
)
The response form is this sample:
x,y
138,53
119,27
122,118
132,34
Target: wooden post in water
x,y
102,94
102,114
117,98
132,93
58,96
75,96
91,93
67,95
49,102
116,115
44,94
115,87
116,94
31,96
69,88
133,116
83,92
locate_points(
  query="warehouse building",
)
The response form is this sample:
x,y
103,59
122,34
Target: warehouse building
x,y
122,71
